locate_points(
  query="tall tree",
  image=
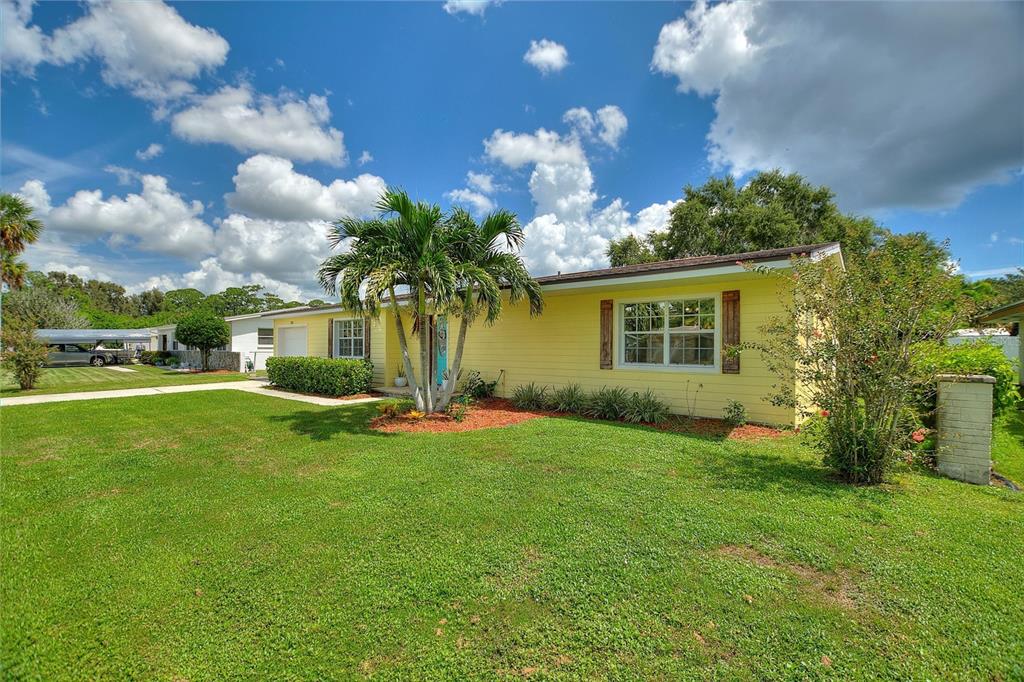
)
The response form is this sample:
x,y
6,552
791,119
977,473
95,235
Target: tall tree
x,y
773,210
41,307
18,229
630,250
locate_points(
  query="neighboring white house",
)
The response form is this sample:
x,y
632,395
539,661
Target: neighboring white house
x,y
995,336
252,337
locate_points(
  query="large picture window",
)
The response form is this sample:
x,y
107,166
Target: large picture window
x,y
677,333
348,338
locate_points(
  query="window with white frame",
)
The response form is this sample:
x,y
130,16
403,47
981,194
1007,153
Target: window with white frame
x,y
348,338
676,333
265,336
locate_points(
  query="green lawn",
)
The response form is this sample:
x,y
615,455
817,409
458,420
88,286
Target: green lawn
x,y
1008,447
71,379
224,534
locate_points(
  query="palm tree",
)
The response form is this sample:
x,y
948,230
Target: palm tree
x,y
17,229
487,261
404,247
448,265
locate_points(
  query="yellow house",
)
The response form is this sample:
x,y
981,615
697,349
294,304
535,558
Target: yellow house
x,y
663,326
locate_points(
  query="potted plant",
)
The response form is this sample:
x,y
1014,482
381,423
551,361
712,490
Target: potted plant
x,y
400,379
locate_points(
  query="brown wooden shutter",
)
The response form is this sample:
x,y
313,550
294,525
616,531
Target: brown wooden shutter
x,y
730,331
366,338
606,334
330,337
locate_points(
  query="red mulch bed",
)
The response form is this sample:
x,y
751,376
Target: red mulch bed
x,y
497,412
483,414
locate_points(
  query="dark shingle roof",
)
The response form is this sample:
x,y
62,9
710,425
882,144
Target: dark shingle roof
x,y
692,263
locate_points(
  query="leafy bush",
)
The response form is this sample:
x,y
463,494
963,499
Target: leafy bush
x,y
476,387
607,403
395,407
975,357
23,354
846,337
205,330
735,414
568,398
153,357
321,376
645,408
172,361
530,397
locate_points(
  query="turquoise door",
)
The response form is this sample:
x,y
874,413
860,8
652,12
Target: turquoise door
x,y
440,347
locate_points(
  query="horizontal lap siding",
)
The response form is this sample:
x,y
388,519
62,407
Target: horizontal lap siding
x,y
563,346
317,339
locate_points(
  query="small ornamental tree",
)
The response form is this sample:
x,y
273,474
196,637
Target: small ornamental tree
x,y
203,330
843,350
23,354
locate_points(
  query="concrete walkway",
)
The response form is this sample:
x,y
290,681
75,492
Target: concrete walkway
x,y
257,387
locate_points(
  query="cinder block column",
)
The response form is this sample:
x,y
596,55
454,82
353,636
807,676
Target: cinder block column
x,y
965,427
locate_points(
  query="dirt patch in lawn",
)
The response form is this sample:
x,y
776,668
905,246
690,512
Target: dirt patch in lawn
x,y
485,414
837,588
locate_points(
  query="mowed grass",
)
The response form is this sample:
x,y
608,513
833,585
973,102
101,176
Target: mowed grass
x,y
224,534
1008,447
72,379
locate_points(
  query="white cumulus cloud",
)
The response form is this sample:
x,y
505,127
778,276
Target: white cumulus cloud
x,y
269,187
286,125
516,150
482,182
473,7
570,231
477,203
158,219
151,152
146,47
547,56
22,46
915,108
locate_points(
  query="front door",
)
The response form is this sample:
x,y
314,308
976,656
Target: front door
x,y
440,348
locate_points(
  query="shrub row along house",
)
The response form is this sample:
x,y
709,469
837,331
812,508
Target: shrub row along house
x,y
666,326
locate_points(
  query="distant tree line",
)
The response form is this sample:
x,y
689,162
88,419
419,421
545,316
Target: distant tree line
x,y
63,300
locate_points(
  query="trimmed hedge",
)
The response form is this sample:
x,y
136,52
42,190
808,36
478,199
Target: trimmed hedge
x,y
322,376
972,357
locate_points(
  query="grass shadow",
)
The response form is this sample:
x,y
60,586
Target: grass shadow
x,y
323,425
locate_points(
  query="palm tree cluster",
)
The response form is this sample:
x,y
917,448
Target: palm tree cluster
x,y
18,229
413,257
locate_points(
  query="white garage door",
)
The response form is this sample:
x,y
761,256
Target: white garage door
x,y
292,341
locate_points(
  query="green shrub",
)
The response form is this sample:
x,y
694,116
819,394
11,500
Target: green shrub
x,y
530,397
23,354
645,408
476,387
395,407
172,361
321,376
973,357
735,414
568,398
607,403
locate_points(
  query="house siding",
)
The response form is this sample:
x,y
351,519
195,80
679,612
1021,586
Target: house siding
x,y
316,338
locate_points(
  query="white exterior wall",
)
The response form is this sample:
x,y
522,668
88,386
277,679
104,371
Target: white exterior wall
x,y
245,340
1011,345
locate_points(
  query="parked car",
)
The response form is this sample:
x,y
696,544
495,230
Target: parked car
x,y
64,354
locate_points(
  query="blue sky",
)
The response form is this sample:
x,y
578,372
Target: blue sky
x,y
206,144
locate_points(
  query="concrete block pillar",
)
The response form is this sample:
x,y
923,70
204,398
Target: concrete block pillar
x,y
964,423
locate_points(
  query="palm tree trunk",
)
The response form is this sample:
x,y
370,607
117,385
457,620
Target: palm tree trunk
x,y
404,345
421,311
453,374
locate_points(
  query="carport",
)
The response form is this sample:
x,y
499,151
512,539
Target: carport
x,y
130,340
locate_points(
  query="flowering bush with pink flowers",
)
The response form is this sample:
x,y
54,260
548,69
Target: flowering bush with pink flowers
x,y
842,350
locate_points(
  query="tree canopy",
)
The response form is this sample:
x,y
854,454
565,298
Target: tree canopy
x,y
203,329
18,229
773,210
